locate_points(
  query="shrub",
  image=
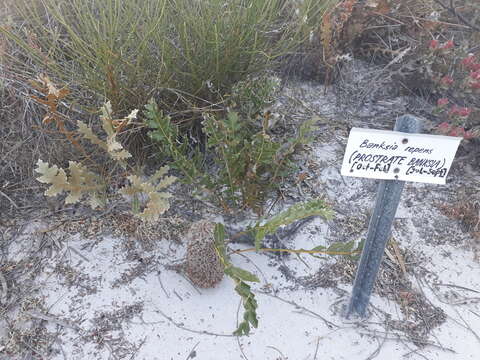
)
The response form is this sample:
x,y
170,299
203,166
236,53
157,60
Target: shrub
x,y
247,161
456,74
81,182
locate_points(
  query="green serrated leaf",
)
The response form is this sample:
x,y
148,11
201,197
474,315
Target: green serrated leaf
x,y
243,329
232,122
346,247
319,248
251,303
241,274
251,317
243,289
296,212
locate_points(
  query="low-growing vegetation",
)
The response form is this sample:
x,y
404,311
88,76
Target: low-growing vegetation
x,y
185,53
247,160
80,183
114,102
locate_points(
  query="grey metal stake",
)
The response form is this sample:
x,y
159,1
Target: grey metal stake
x,y
379,230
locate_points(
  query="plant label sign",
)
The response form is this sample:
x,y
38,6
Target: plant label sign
x,y
393,155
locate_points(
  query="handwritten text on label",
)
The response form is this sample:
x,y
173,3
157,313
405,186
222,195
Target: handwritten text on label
x,y
392,155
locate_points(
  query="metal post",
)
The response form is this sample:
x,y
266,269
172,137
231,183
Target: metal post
x,y
379,230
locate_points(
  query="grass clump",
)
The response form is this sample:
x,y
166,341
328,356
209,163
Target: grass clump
x,y
186,53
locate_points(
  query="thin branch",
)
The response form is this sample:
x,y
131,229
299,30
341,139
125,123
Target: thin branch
x,y
456,286
299,251
281,354
327,322
316,349
454,12
9,199
161,284
192,352
182,327
238,337
374,354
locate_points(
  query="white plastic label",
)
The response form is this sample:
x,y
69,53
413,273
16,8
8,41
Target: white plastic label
x,y
392,155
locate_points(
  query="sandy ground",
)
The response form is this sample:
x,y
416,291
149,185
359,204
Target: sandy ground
x,y
105,296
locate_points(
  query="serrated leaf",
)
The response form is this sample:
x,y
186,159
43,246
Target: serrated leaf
x,y
241,274
166,182
358,250
106,118
251,302
360,245
147,188
132,116
342,247
116,150
128,191
52,175
136,181
246,328
232,122
243,289
251,317
76,183
156,206
294,213
319,248
297,212
113,144
79,182
88,134
46,171
159,173
243,329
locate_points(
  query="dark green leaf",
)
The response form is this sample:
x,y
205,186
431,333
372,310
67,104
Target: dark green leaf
x,y
342,247
251,317
243,290
241,274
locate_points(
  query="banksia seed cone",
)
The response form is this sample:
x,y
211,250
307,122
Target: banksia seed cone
x,y
203,266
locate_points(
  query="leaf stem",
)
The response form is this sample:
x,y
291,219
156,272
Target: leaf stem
x,y
299,251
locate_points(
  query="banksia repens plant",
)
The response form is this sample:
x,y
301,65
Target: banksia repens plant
x,y
80,183
158,200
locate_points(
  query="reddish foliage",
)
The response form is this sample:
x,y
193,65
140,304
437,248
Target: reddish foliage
x,y
448,45
442,102
446,80
433,44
